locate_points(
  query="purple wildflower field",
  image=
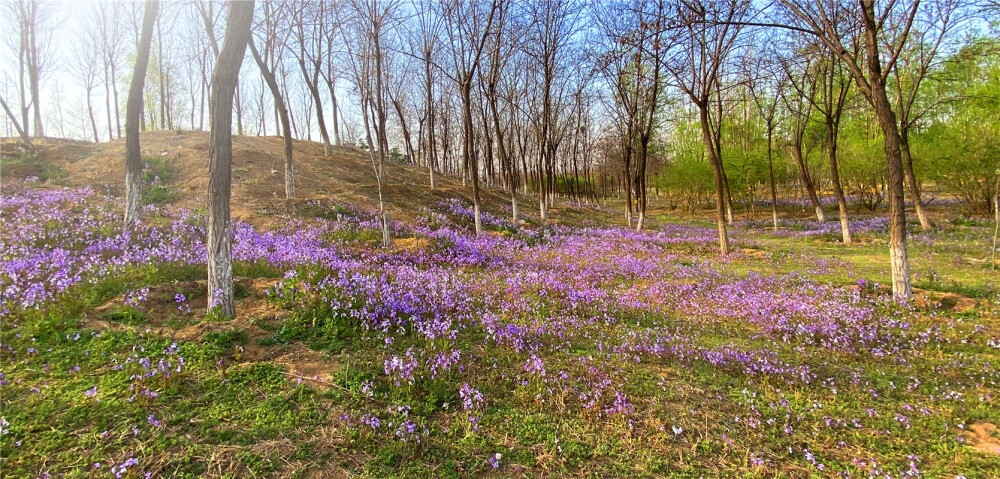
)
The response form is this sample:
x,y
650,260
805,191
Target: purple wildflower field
x,y
564,351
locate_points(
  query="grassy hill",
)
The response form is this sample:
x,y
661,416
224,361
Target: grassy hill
x,y
346,177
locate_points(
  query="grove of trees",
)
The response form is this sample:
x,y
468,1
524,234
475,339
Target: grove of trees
x,y
741,106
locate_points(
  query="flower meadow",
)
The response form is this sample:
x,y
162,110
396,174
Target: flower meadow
x,y
523,352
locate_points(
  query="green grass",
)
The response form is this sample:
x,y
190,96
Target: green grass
x,y
223,416
44,170
156,175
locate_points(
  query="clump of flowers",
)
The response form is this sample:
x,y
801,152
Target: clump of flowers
x,y
181,301
401,368
137,298
122,470
153,377
472,400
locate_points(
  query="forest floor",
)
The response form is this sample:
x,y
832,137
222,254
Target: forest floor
x,y
580,350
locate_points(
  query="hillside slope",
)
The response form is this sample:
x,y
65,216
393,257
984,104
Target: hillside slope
x,y
258,174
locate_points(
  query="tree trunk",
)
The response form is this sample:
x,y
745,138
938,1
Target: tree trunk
x,y
807,181
543,210
333,103
718,176
133,116
159,64
730,215
901,287
838,192
770,175
107,102
313,85
431,144
33,67
93,122
627,179
220,157
118,113
640,182
201,101
398,105
918,204
467,149
239,111
17,126
279,106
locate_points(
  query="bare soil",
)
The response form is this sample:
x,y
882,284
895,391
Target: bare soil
x,y
346,177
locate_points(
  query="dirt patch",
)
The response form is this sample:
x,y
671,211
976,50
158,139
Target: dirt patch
x,y
925,299
163,313
753,253
308,365
410,244
258,192
161,316
176,308
984,437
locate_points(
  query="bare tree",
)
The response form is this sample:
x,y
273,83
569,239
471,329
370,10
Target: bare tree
x,y
916,64
54,115
220,156
425,45
365,39
399,91
309,19
835,83
468,25
133,115
823,85
706,36
328,32
30,34
196,68
86,69
505,41
273,41
798,104
870,71
109,37
553,26
635,38
763,84
161,81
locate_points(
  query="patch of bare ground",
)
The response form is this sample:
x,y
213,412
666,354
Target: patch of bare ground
x,y
754,253
223,461
936,300
984,437
410,244
162,316
346,177
958,303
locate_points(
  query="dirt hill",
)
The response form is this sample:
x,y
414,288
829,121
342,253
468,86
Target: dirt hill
x,y
258,174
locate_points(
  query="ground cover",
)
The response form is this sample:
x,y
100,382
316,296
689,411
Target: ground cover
x,y
567,351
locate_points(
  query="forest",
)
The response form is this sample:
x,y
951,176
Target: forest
x,y
489,238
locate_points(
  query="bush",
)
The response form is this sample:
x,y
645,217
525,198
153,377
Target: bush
x,y
156,172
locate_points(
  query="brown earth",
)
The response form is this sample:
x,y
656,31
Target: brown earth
x,y
346,177
984,437
163,317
